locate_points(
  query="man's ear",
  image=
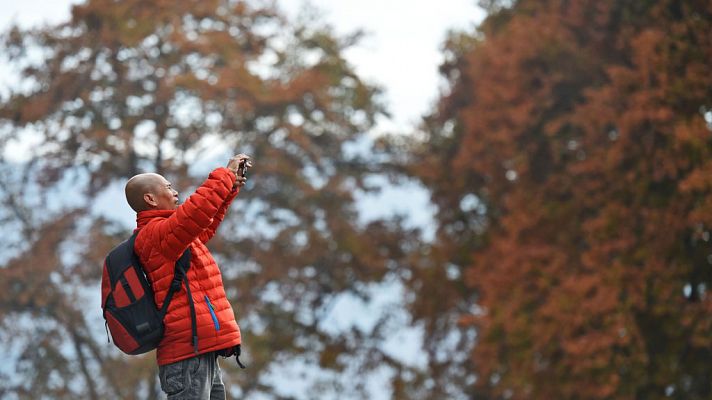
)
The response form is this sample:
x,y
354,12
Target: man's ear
x,y
149,199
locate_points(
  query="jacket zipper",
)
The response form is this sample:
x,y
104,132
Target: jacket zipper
x,y
212,313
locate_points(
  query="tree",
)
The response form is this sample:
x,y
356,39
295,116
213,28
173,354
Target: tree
x,y
569,161
132,86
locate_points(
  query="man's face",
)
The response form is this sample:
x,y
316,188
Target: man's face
x,y
165,197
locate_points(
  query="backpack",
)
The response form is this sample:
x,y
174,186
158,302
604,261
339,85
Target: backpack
x,y
127,300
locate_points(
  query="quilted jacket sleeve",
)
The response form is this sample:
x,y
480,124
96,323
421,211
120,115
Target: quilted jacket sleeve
x,y
219,216
195,215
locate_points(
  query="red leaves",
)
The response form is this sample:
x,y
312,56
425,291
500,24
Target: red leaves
x,y
576,131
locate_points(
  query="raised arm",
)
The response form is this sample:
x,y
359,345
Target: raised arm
x,y
209,232
195,215
233,165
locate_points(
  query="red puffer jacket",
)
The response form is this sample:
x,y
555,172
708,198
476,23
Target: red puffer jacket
x,y
163,236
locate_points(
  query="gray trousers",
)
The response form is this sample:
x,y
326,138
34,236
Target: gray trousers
x,y
196,378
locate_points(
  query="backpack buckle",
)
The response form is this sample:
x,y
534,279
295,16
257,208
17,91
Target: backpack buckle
x,y
176,282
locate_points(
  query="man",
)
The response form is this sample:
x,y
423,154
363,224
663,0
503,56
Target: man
x,y
187,361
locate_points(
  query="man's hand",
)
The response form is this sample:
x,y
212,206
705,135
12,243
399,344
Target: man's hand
x,y
234,165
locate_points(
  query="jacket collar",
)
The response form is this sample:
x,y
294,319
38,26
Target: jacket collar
x,y
144,217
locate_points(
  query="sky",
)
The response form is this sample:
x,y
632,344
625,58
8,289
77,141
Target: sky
x,y
401,51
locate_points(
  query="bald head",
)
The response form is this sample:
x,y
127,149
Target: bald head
x,y
150,192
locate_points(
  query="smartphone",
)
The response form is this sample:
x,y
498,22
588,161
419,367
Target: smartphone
x,y
242,169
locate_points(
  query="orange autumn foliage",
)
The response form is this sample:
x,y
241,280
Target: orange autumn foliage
x,y
582,129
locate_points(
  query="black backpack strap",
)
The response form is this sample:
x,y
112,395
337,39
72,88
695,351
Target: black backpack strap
x,y
178,275
183,264
238,351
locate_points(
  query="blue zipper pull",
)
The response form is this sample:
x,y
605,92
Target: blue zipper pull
x,y
212,313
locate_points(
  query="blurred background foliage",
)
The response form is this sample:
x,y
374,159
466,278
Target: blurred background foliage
x,y
568,159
